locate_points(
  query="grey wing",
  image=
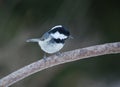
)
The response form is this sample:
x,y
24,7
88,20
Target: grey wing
x,y
45,36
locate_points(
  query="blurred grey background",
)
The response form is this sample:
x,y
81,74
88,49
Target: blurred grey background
x,y
90,22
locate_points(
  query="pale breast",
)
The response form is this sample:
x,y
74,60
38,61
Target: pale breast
x,y
50,48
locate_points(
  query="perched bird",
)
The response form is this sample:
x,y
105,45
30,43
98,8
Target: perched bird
x,y
53,40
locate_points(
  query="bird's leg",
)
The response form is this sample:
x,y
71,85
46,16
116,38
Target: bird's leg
x,y
45,57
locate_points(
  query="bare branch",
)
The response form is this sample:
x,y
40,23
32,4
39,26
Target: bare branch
x,y
109,48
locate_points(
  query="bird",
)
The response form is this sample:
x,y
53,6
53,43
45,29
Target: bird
x,y
53,40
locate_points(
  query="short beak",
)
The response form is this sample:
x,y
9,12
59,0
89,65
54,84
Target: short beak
x,y
71,37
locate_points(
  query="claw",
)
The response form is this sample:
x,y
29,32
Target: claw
x,y
58,54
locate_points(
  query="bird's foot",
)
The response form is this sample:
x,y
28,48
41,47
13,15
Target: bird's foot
x,y
58,54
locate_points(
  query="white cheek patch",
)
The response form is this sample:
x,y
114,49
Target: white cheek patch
x,y
57,35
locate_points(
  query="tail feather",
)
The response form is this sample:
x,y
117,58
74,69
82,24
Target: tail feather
x,y
32,40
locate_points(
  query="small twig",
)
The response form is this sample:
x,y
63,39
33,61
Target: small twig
x,y
109,48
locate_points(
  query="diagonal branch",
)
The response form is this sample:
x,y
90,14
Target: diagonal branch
x,y
109,48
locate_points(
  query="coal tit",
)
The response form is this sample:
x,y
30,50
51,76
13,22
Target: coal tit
x,y
53,40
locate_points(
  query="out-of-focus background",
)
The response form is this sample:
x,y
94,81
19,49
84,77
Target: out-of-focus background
x,y
90,22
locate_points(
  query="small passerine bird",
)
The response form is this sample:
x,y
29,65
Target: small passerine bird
x,y
53,40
